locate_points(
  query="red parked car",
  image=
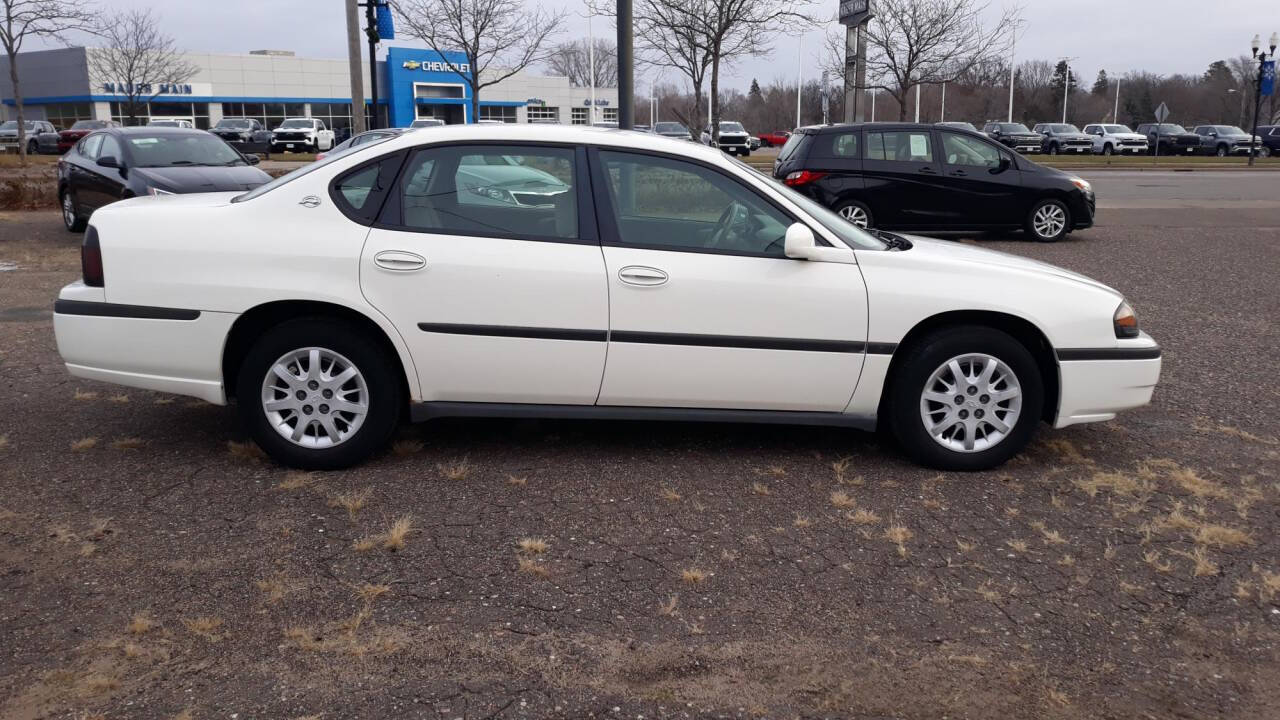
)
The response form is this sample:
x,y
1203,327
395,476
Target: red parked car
x,y
777,137
69,137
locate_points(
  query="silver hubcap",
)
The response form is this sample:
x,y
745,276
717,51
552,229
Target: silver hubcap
x,y
68,210
1049,220
315,398
971,403
855,215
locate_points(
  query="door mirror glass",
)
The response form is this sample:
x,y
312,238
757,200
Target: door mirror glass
x,y
800,243
108,161
251,159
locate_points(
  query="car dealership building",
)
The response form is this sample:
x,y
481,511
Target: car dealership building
x,y
57,85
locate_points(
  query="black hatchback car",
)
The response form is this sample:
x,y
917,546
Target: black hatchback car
x,y
906,176
117,163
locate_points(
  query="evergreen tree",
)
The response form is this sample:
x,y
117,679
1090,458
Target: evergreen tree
x,y
755,93
1101,85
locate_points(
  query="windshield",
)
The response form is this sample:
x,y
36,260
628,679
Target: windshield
x,y
299,123
290,177
181,150
1013,128
89,125
163,123
670,127
1117,129
1229,130
224,123
13,125
1060,128
1171,128
426,122
731,127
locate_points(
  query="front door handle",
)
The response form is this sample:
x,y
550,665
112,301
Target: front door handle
x,y
642,275
960,173
399,261
928,171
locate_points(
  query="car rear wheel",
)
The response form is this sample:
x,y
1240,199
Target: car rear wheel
x,y
965,398
856,213
1053,149
1107,149
1049,220
317,394
70,217
1222,151
1264,152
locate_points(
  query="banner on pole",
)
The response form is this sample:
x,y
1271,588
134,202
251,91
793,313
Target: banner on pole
x,y
1268,77
386,25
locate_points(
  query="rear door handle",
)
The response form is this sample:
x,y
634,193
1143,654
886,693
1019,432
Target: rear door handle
x,y
399,261
960,173
928,171
642,275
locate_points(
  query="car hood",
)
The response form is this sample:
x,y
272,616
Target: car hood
x,y
1128,136
200,179
959,253
1023,136
511,176
1241,137
1073,136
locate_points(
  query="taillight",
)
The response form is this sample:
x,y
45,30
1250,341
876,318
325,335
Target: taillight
x,y
91,259
802,177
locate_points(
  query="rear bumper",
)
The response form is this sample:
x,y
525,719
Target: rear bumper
x,y
1096,383
139,346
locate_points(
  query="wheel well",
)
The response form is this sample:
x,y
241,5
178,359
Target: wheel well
x,y
1021,330
249,326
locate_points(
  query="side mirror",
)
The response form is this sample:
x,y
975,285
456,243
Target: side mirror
x,y
108,161
1004,164
799,243
252,159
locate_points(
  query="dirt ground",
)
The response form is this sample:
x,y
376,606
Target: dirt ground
x,y
154,565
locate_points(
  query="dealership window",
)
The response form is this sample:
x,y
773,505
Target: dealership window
x,y
336,116
501,113
610,115
544,114
198,113
64,115
580,116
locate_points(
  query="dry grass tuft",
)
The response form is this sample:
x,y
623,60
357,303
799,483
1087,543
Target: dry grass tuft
x,y
119,398
1221,536
275,588
670,495
369,592
842,500
365,544
1051,537
186,714
167,400
140,624
84,395
759,488
1117,483
128,443
863,517
4,441
530,566
1017,545
1202,565
400,529
406,447
1057,697
988,592
841,468
517,481
84,444
351,501
1152,558
296,480
774,471
898,535
1067,561
1202,488
1067,451
669,608
533,546
801,522
205,626
965,546
245,451
693,576
457,470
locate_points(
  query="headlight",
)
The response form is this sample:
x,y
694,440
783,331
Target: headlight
x,y
1082,184
494,193
153,190
1125,321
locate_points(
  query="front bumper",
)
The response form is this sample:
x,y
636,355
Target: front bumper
x,y
113,345
1097,383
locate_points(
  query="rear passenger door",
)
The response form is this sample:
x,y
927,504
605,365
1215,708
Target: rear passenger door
x,y
838,156
486,258
903,182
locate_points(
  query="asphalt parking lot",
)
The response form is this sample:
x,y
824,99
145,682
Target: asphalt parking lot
x,y
155,565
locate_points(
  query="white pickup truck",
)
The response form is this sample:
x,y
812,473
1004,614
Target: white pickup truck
x,y
301,135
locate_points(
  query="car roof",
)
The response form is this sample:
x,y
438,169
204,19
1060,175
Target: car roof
x,y
845,127
152,130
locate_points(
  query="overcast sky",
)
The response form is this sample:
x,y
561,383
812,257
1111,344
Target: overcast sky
x,y
1162,36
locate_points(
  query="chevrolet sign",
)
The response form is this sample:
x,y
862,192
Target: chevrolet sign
x,y
436,66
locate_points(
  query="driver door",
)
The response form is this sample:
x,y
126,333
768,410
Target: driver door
x,y
705,311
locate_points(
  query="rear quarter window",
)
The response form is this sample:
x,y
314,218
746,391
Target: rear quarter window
x,y
792,145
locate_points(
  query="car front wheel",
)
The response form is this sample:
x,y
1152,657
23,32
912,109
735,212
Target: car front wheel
x,y
855,212
317,394
70,216
965,398
1106,150
1049,220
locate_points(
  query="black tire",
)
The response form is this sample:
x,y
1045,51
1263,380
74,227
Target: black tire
x,y
1031,222
71,218
846,206
1222,151
1053,148
382,381
33,148
1107,149
932,351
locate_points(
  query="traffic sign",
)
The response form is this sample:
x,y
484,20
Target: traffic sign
x,y
1162,113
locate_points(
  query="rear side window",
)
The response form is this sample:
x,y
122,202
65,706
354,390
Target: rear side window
x,y
791,145
899,146
359,192
836,145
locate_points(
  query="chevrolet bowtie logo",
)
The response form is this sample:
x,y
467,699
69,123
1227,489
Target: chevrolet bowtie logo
x,y
412,64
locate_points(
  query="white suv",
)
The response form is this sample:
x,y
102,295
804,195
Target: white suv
x,y
475,270
302,135
1116,140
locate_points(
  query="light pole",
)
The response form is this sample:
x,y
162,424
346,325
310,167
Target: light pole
x,y
1261,57
1066,86
1115,114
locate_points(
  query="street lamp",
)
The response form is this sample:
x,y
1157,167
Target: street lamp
x,y
1261,57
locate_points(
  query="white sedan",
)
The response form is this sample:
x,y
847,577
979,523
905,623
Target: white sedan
x,y
521,271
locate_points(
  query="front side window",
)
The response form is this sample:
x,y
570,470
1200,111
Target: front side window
x,y
899,146
498,191
89,146
969,151
661,202
110,148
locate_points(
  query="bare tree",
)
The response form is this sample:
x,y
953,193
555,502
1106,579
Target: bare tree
x,y
23,19
667,36
498,37
138,59
574,61
914,42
